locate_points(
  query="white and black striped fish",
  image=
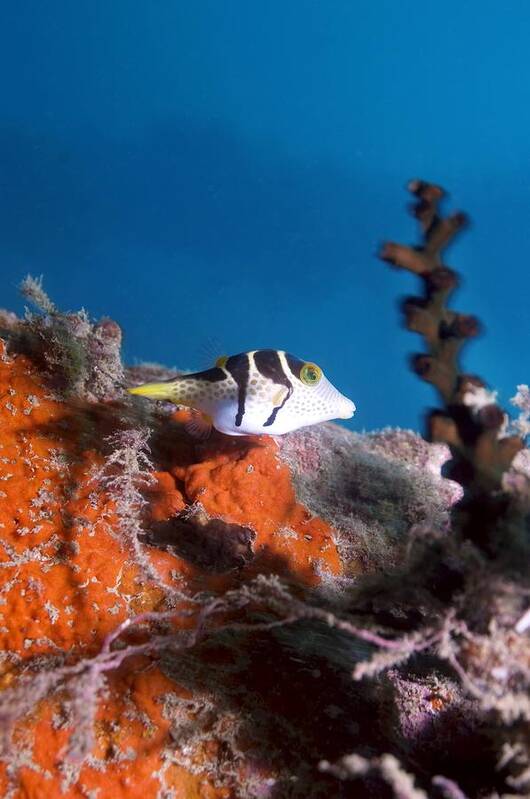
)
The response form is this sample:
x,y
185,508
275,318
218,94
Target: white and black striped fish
x,y
255,393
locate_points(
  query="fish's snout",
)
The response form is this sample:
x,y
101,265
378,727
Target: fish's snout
x,y
346,408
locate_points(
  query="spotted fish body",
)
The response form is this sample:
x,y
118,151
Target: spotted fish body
x,y
254,393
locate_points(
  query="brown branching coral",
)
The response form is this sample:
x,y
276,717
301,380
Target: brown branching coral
x,y
470,422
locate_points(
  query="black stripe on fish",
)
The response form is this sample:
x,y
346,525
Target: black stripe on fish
x,y
295,364
268,363
213,375
238,366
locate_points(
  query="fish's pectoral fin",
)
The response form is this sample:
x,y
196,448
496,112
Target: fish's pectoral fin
x,y
199,425
280,396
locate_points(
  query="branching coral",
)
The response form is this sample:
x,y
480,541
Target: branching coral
x,y
470,422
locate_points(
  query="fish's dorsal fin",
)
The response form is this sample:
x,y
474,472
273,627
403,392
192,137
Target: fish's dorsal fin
x,y
221,361
206,351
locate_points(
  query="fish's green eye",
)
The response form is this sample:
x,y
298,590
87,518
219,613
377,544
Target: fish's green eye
x,y
310,374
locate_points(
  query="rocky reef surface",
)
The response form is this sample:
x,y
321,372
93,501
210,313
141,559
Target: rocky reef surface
x,y
78,485
103,522
318,615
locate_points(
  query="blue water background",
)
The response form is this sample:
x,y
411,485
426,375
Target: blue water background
x,y
226,169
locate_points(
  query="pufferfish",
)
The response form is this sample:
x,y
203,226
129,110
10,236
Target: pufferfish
x,y
254,393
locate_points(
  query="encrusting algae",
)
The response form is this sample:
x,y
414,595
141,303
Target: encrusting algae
x,y
249,617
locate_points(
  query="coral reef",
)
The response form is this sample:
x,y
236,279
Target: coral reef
x,y
470,422
328,614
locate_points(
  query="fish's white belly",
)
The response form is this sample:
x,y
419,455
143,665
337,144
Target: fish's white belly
x,y
252,423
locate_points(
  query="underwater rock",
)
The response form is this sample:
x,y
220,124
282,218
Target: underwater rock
x,y
371,488
215,515
233,617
